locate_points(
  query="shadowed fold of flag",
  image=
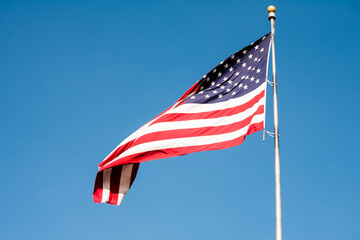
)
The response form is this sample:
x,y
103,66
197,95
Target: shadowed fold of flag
x,y
217,112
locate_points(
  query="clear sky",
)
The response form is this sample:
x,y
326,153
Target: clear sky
x,y
78,77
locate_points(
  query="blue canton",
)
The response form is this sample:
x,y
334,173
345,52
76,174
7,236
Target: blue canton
x,y
238,75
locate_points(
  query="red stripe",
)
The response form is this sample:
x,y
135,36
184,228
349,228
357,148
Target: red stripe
x,y
161,135
98,188
172,117
193,89
115,184
134,173
125,146
172,152
116,153
201,131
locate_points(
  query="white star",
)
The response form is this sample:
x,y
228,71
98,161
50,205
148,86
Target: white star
x,y
253,69
258,70
214,70
257,81
245,87
251,43
242,77
238,60
222,62
222,87
201,88
201,92
233,93
247,77
244,51
250,56
225,78
240,86
259,59
252,79
231,69
215,91
212,83
219,74
229,82
232,56
192,97
263,38
226,65
235,84
237,74
255,59
261,50
256,47
218,84
208,79
220,95
228,90
243,65
249,68
204,76
207,96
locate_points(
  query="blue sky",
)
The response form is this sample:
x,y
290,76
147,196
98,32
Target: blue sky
x,y
77,77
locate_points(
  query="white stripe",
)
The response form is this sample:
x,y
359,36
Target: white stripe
x,y
131,137
189,141
125,180
106,185
120,198
137,133
197,123
195,108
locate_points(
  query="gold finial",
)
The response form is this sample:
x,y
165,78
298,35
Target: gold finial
x,y
271,8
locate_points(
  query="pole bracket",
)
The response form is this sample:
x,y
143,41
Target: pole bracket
x,y
271,134
271,83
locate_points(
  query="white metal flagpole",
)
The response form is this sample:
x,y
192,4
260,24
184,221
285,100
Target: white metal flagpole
x,y
271,11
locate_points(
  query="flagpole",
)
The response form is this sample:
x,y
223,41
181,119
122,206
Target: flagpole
x,y
271,11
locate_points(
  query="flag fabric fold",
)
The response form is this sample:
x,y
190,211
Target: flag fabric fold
x,y
112,184
217,112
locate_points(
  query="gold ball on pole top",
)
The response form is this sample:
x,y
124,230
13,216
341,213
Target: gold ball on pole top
x,y
271,8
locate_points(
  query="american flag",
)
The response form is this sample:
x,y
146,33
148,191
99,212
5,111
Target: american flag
x,y
218,112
